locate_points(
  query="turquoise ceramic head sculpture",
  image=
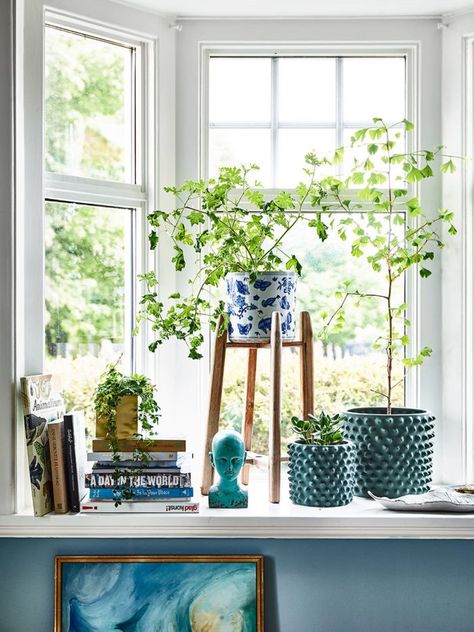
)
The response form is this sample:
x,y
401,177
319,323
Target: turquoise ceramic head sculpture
x,y
228,457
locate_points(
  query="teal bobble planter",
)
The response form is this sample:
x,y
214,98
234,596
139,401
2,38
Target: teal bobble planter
x,y
321,475
394,453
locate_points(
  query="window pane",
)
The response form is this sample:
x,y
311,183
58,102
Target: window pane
x,y
347,369
229,147
87,286
373,87
307,90
293,145
239,90
88,107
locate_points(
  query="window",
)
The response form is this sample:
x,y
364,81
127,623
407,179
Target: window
x,y
92,143
272,111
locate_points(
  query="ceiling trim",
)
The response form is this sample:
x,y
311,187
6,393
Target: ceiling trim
x,y
160,14
202,18
459,13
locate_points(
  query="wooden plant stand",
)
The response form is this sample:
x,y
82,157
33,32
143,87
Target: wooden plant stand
x,y
305,344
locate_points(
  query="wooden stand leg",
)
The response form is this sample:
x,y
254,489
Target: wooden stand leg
x,y
307,366
249,408
275,409
215,398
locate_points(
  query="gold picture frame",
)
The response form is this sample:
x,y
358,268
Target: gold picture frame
x,y
198,597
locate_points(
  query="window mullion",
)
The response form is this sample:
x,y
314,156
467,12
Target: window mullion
x,y
339,102
274,121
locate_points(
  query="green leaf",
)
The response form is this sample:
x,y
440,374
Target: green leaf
x,y
196,217
293,263
153,239
448,167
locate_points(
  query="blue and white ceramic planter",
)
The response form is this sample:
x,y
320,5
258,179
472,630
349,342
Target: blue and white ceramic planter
x,y
250,304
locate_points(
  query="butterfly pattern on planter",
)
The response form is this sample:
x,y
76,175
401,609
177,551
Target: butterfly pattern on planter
x,y
250,312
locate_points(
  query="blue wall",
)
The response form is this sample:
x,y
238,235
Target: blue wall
x,y
310,585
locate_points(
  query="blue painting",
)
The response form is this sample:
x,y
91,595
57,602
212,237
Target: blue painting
x,y
159,594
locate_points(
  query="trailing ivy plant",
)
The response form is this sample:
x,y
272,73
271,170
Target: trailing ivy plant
x,y
222,225
394,234
112,387
321,430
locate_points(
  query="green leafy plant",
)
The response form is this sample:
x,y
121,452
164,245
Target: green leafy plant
x,y
223,225
390,243
321,430
112,387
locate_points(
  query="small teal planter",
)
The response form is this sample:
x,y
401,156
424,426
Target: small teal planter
x,y
250,304
321,475
394,453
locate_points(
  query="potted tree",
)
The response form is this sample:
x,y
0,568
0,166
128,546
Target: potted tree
x,y
126,408
394,444
233,234
320,462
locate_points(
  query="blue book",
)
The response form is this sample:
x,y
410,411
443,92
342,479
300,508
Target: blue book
x,y
108,493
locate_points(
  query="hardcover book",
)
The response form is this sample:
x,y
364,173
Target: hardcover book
x,y
151,445
168,457
75,441
37,446
109,493
41,396
144,479
58,465
175,507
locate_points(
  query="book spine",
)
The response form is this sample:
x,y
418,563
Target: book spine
x,y
107,493
58,472
71,467
140,480
129,507
129,456
129,445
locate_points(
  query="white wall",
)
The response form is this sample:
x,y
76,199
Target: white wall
x,y
457,283
346,32
6,254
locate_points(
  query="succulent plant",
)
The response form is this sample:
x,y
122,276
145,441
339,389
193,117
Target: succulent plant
x,y
321,430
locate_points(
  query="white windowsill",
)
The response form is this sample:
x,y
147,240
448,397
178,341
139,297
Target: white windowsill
x,y
362,519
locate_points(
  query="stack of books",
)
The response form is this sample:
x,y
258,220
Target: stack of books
x,y
55,445
162,484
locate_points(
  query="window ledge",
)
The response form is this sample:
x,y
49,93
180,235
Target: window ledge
x,y
362,519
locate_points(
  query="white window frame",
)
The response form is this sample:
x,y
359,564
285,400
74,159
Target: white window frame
x,y
34,186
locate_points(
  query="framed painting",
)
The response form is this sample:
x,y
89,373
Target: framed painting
x,y
158,593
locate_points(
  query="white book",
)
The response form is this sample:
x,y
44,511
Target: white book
x,y
176,507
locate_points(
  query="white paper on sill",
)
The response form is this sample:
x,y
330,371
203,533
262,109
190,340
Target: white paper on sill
x,y
440,499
